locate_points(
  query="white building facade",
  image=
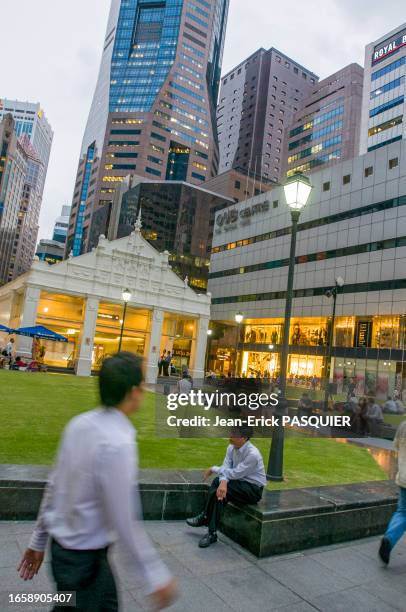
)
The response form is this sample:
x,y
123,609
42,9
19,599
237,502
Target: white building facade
x,y
81,299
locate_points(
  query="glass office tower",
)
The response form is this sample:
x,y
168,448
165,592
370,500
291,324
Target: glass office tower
x,y
153,111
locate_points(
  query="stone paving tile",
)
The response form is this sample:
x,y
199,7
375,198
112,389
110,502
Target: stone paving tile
x,y
218,558
350,564
10,553
250,590
306,577
391,596
302,606
356,599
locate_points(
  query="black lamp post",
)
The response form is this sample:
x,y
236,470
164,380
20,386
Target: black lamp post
x,y
239,317
208,349
126,295
297,190
331,293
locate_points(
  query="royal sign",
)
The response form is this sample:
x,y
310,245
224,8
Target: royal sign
x,y
390,46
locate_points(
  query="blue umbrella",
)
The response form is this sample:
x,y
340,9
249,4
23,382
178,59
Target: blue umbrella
x,y
6,330
40,332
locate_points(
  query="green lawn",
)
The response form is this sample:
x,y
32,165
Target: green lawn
x,y
34,409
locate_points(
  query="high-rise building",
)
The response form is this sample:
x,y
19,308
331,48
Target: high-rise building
x,y
153,111
257,101
61,225
326,128
53,250
176,217
13,171
26,234
383,104
29,151
30,119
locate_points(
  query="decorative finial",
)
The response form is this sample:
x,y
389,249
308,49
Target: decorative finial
x,y
138,223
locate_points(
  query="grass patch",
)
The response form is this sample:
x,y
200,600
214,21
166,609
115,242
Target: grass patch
x,y
36,407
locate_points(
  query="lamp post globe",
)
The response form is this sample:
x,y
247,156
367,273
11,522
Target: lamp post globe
x,y
297,190
126,295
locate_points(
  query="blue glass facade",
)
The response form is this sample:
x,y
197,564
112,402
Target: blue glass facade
x,y
144,51
77,240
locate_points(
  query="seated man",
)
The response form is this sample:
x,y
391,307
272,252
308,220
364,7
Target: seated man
x,y
241,478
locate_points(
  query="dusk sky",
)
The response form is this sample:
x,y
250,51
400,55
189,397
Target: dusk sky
x,y
52,50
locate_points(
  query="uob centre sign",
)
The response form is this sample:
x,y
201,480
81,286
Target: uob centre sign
x,y
232,216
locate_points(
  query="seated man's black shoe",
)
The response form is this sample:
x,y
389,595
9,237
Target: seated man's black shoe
x,y
197,521
208,540
385,550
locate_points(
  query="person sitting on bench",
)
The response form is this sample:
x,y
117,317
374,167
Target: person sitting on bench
x,y
240,479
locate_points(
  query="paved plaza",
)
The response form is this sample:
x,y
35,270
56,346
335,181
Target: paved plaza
x,y
225,577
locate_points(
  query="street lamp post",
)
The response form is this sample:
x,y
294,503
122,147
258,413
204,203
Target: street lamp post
x,y
297,190
208,348
239,317
331,293
126,295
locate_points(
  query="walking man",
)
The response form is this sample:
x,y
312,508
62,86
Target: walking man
x,y
91,494
241,478
397,525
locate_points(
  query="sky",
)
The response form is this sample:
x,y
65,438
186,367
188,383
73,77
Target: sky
x,y
52,49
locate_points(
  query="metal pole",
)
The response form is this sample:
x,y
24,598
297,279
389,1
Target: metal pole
x,y
330,350
122,327
236,350
275,464
208,349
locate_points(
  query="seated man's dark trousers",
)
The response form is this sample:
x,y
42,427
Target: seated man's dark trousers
x,y
89,574
239,491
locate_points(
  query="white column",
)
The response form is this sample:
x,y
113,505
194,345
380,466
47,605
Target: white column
x,y
198,356
28,319
84,363
151,370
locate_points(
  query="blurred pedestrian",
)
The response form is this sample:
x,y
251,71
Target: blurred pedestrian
x,y
90,499
397,525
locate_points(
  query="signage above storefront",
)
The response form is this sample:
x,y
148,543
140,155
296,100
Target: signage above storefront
x,y
389,46
228,217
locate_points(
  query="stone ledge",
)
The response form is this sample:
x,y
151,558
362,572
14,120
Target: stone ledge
x,y
284,521
287,521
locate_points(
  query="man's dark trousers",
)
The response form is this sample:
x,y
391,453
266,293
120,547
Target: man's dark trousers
x,y
239,491
89,574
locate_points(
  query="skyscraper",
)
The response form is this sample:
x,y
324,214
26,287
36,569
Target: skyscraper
x,y
153,111
326,128
257,101
27,140
52,250
383,104
30,119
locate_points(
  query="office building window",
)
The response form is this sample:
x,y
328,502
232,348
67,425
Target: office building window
x,y
368,171
326,186
393,163
346,179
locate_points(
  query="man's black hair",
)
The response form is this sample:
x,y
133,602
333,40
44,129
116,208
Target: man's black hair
x,y
118,375
243,431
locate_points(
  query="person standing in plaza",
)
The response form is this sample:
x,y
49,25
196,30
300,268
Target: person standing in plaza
x,y
91,495
161,363
397,525
167,362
